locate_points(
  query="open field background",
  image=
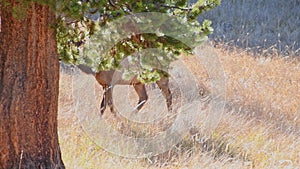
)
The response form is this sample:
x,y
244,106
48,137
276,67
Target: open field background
x,y
257,25
260,127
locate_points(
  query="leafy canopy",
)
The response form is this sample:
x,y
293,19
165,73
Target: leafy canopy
x,y
92,32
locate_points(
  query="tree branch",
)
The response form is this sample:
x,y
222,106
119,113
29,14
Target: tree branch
x,y
112,3
176,7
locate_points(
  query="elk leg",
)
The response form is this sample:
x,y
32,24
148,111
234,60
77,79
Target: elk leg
x,y
163,84
109,99
104,101
143,97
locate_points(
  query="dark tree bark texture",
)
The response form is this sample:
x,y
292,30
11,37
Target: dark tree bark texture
x,y
29,74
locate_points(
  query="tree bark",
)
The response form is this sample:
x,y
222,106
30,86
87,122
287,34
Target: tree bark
x,y
29,74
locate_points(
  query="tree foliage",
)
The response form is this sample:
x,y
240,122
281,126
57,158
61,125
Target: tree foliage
x,y
79,21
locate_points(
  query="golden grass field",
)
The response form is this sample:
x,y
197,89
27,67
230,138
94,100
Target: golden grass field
x,y
260,127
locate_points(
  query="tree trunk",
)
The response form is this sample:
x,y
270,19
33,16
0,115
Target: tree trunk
x,y
29,74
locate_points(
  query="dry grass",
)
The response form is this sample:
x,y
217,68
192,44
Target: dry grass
x,y
257,25
259,129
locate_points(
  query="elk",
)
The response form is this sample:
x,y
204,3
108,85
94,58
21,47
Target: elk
x,y
108,79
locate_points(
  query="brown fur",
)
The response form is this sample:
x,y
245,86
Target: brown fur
x,y
108,79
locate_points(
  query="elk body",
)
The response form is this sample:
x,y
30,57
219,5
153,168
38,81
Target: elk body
x,y
108,79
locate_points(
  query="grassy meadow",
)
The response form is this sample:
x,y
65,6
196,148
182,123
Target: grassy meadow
x,y
257,25
260,127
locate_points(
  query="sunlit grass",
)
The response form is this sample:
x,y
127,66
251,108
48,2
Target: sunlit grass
x,y
259,129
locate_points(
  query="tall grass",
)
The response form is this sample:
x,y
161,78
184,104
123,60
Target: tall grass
x,y
259,129
257,25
